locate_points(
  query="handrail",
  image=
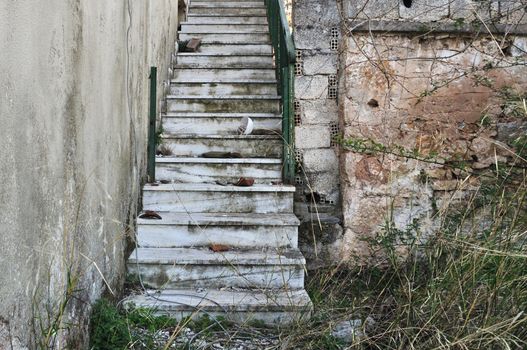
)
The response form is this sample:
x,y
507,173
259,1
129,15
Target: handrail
x,y
290,45
151,152
285,57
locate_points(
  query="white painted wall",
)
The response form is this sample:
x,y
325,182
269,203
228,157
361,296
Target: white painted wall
x,y
73,127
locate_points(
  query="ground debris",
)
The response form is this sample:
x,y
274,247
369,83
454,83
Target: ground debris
x,y
186,338
150,214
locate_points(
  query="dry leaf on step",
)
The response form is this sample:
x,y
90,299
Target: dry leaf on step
x,y
245,182
150,214
219,248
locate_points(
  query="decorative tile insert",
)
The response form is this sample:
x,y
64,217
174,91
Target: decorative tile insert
x,y
298,113
334,130
299,159
334,41
325,200
332,86
299,180
299,64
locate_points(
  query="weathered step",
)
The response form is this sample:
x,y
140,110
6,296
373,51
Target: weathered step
x,y
231,229
218,75
264,268
199,60
239,49
229,11
223,103
203,19
209,198
224,28
180,169
222,1
242,306
226,4
228,38
250,146
260,2
249,87
218,123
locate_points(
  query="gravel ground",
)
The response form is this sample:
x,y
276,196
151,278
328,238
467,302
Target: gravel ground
x,y
230,340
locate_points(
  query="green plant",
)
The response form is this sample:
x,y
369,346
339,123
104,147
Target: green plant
x,y
159,135
520,146
49,320
463,287
112,328
207,325
513,102
485,120
109,329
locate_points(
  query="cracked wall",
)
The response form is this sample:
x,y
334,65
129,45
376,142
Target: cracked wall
x,y
438,111
428,81
74,109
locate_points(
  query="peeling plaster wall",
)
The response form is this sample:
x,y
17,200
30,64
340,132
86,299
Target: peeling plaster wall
x,y
393,63
415,110
73,126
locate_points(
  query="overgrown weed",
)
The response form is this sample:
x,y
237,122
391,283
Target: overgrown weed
x,y
113,328
464,287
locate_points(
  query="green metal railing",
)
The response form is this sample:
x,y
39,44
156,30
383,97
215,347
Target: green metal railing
x,y
151,152
284,52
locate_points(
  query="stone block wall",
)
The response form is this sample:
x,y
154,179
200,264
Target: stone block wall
x,y
437,11
430,81
442,103
317,39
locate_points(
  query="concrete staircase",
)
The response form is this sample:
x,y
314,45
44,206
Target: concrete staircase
x,y
259,275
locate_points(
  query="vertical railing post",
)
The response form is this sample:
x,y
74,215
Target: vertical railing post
x,y
151,152
291,125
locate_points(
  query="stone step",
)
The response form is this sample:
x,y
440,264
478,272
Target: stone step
x,y
223,104
198,60
219,75
264,268
250,146
248,87
180,169
242,306
225,4
228,38
217,123
204,19
239,49
259,2
231,1
210,198
231,229
224,28
229,11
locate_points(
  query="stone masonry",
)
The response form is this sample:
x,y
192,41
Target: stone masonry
x,y
435,79
317,39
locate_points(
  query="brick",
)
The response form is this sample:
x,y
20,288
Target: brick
x,y
316,13
311,87
312,137
321,111
312,38
320,63
372,9
321,160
